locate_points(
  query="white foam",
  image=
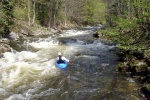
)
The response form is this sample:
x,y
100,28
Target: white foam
x,y
16,97
23,68
44,44
74,33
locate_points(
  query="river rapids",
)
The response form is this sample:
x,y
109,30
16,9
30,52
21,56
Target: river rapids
x,y
30,73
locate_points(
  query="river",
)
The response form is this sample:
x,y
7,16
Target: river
x,y
30,73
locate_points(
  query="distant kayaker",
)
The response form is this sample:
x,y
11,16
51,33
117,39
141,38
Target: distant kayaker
x,y
62,59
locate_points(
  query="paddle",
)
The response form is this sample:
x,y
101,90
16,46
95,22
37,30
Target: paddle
x,y
70,62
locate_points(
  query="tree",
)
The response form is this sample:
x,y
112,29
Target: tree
x,y
33,20
129,21
6,17
51,13
29,22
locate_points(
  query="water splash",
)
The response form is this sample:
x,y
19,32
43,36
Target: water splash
x,y
21,70
75,32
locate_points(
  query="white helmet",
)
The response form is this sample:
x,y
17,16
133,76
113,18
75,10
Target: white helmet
x,y
59,53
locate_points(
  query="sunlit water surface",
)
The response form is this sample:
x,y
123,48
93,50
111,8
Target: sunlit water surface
x,y
30,73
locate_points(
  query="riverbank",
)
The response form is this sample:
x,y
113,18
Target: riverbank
x,y
22,30
136,65
133,62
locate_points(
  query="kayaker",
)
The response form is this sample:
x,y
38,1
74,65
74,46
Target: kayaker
x,y
62,59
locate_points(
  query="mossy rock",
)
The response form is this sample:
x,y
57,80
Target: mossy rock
x,y
122,67
139,64
134,63
147,86
142,67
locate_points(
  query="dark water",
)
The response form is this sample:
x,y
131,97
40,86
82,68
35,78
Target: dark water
x,y
92,75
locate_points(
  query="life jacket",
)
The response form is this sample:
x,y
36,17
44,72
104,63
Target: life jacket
x,y
60,59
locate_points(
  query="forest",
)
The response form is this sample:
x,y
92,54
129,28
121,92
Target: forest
x,y
50,13
127,22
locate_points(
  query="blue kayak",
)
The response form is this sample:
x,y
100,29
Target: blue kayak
x,y
61,65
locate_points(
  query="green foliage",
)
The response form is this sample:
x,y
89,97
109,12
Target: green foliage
x,y
51,12
89,8
6,17
42,14
99,12
20,13
126,24
130,24
94,11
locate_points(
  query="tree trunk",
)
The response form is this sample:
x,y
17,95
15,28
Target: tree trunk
x,y
29,12
49,16
33,20
129,9
119,7
65,16
55,12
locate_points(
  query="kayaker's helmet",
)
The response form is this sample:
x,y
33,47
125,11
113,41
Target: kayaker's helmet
x,y
59,53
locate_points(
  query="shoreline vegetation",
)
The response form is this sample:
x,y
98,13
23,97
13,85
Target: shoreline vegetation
x,y
135,64
128,25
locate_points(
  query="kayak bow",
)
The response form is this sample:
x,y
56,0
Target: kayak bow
x,y
61,65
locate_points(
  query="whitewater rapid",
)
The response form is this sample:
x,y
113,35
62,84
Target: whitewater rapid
x,y
23,72
29,71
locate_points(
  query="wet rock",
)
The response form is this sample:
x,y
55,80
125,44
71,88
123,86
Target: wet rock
x,y
5,48
96,35
1,55
129,54
24,32
89,41
4,40
13,36
67,40
140,65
